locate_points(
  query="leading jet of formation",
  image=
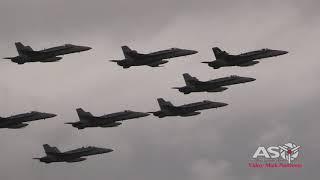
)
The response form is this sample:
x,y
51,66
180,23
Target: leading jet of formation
x,y
27,54
109,120
224,59
154,59
54,155
19,121
168,109
215,85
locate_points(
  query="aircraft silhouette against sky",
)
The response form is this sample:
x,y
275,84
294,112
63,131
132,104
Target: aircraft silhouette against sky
x,y
154,59
53,154
19,121
215,85
168,109
105,121
27,54
223,59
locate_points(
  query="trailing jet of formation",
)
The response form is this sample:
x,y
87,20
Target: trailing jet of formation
x,y
53,154
105,121
19,121
215,85
27,54
154,59
168,109
224,59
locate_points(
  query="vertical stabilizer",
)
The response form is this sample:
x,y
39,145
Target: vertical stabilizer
x,y
50,150
219,54
189,79
83,115
129,53
164,104
22,49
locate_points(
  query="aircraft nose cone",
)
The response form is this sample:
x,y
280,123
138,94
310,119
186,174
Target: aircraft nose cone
x,y
282,52
50,115
86,48
105,150
193,52
251,79
223,104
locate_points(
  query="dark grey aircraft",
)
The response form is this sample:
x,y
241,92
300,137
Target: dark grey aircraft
x,y
216,85
27,54
54,155
167,109
18,121
109,120
155,59
246,59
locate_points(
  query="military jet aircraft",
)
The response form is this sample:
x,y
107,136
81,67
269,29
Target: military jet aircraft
x,y
224,59
109,120
167,109
54,155
27,54
18,121
155,59
216,85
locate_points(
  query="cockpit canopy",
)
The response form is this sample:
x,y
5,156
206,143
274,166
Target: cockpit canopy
x,y
69,45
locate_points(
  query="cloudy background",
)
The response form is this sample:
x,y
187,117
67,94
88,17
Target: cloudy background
x,y
280,106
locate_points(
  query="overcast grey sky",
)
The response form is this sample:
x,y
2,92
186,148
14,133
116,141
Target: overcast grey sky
x,y
280,106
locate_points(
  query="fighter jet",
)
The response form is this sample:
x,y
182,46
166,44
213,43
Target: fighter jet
x,y
224,59
27,54
216,85
167,109
109,120
154,59
54,155
18,121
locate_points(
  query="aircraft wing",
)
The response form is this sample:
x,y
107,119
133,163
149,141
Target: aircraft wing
x,y
17,126
135,54
179,109
34,53
104,119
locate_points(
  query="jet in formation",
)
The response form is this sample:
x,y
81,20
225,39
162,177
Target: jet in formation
x,y
19,121
224,59
167,109
54,155
154,59
27,54
109,120
215,85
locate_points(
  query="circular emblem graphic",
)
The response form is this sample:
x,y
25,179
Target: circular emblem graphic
x,y
289,152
